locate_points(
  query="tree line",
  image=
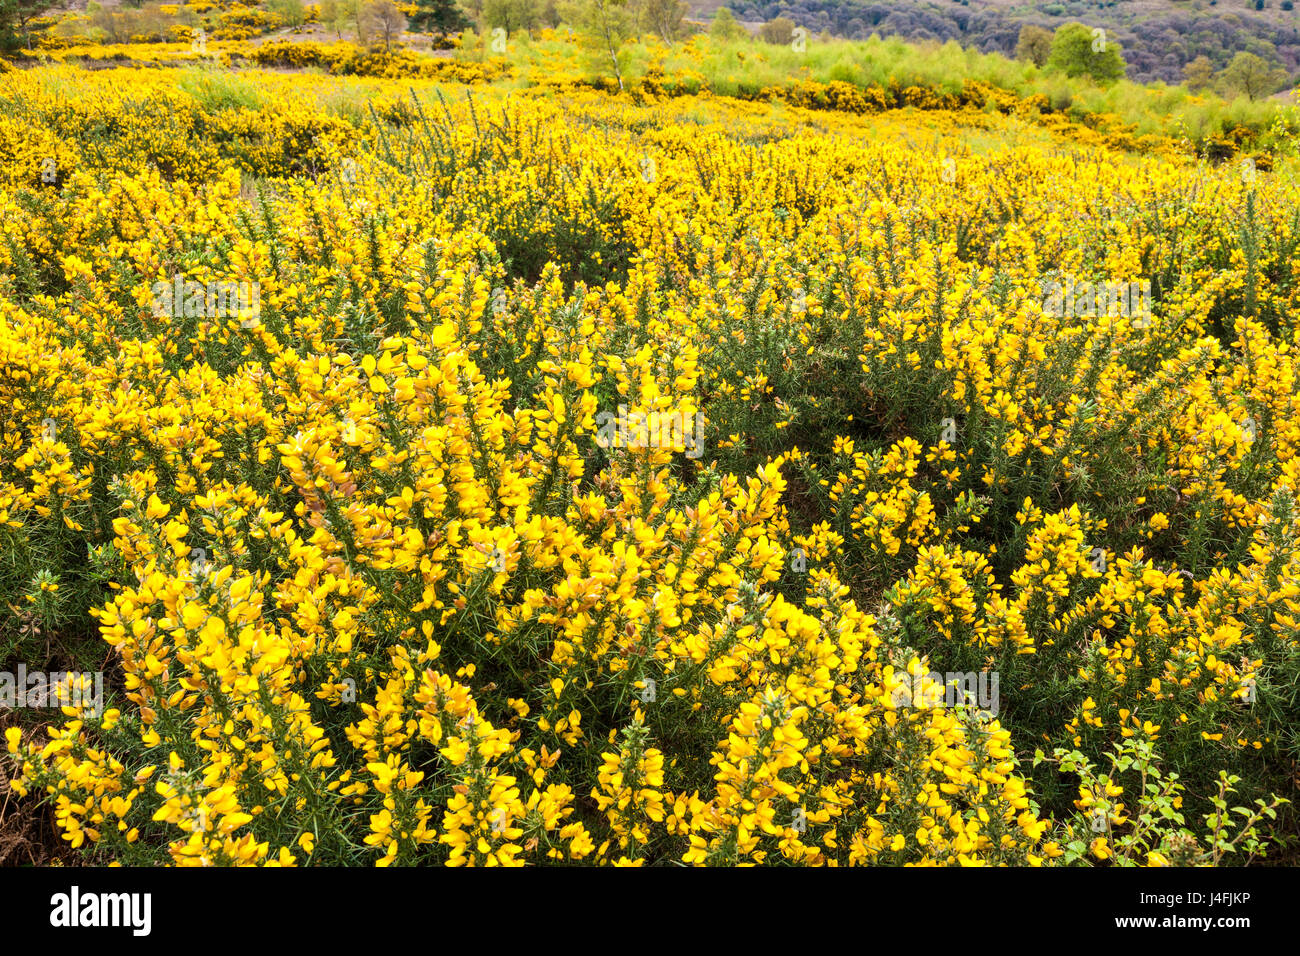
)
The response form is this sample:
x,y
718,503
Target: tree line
x,y
1157,46
1238,51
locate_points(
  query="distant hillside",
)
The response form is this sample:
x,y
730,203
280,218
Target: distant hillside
x,y
1158,37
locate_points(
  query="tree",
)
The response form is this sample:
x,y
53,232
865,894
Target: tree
x,y
290,12
725,26
511,15
1252,75
15,17
1198,73
442,17
779,31
474,10
606,25
380,19
329,16
665,18
1079,50
116,24
1034,45
339,14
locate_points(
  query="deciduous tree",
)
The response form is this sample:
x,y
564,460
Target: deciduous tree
x,y
1079,50
1034,45
511,15
779,31
1198,74
725,26
1252,75
381,20
605,25
665,18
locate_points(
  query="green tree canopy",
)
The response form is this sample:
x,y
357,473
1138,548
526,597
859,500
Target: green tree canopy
x,y
512,15
665,18
290,12
779,31
1080,50
1198,73
725,26
603,26
439,16
1034,45
1253,76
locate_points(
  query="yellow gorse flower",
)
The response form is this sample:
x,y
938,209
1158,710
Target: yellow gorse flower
x,y
382,592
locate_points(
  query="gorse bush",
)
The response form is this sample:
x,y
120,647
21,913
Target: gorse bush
x,y
875,74
600,483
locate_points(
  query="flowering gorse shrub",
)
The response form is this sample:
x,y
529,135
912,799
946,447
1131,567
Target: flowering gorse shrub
x,y
382,587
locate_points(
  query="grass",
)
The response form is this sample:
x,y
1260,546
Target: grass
x,y
744,67
747,67
220,91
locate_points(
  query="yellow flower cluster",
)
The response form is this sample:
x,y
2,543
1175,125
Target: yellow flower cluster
x,y
381,594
